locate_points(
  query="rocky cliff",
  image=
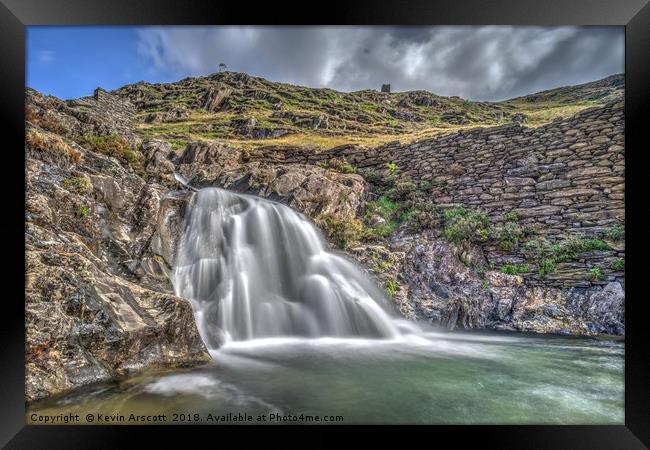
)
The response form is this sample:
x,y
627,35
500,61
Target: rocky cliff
x,y
98,303
505,227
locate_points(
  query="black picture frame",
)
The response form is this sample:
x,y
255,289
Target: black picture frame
x,y
15,15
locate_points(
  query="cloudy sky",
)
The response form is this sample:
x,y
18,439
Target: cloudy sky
x,y
479,63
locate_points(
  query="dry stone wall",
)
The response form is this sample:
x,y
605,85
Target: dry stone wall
x,y
109,113
566,178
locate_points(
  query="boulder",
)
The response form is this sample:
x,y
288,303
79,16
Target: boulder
x,y
158,155
201,162
214,99
311,190
519,118
605,309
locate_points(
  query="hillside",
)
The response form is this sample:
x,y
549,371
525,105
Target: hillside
x,y
600,91
249,111
565,101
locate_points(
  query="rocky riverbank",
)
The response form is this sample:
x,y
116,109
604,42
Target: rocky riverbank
x,y
98,303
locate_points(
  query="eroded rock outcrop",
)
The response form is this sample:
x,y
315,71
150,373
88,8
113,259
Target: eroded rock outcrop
x,y
452,286
98,302
158,155
310,189
201,162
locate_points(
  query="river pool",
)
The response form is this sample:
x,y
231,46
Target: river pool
x,y
433,378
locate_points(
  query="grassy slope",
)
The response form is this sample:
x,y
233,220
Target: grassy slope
x,y
543,107
365,117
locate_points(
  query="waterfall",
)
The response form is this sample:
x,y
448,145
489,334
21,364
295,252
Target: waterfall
x,y
253,268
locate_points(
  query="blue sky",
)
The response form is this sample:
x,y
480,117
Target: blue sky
x,y
479,63
70,62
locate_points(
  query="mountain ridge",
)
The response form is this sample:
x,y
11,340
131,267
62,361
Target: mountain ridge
x,y
250,111
617,79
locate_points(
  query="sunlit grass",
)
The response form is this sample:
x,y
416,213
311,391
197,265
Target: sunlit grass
x,y
542,113
205,126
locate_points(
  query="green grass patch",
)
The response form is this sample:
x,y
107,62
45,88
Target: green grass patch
x,y
82,211
383,207
617,265
595,244
390,211
391,287
507,235
338,165
342,232
615,233
596,274
514,269
547,254
117,147
81,185
371,176
546,266
461,224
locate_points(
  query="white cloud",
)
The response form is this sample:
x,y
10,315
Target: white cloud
x,y
492,62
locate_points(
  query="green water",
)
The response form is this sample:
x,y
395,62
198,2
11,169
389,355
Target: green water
x,y
450,378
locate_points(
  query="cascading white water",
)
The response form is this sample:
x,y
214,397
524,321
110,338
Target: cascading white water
x,y
253,269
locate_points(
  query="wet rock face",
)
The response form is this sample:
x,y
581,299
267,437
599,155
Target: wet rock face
x,y
444,288
201,162
98,301
169,225
310,189
386,267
